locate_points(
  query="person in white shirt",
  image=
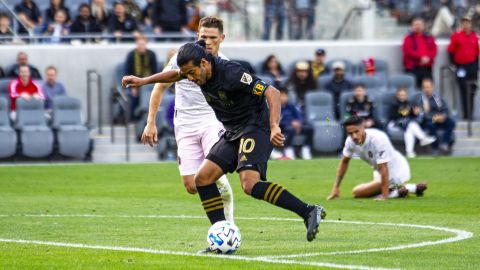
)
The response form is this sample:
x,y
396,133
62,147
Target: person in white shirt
x,y
390,169
195,124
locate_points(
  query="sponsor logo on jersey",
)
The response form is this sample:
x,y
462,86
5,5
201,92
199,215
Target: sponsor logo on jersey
x,y
246,78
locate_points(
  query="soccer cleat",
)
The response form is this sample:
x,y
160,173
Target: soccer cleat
x,y
421,189
402,192
208,250
427,140
313,220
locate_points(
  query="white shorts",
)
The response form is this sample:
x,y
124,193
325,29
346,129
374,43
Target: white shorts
x,y
399,174
193,146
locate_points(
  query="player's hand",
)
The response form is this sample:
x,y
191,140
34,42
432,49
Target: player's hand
x,y
150,135
132,81
335,194
276,136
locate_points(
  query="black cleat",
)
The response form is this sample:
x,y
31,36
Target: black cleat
x,y
313,220
402,192
421,189
208,250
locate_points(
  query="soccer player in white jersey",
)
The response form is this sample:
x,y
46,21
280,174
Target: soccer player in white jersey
x,y
196,126
390,169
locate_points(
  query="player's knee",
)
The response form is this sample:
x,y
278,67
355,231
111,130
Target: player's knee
x,y
356,192
191,188
247,185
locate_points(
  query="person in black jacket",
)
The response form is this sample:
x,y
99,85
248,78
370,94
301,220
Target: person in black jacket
x,y
169,16
85,23
121,23
404,116
360,105
56,5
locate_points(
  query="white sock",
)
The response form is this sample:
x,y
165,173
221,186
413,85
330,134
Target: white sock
x,y
227,196
393,194
412,188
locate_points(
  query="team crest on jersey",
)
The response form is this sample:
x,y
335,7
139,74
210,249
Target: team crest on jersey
x,y
246,78
222,95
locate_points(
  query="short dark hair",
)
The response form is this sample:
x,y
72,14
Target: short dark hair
x,y
83,5
192,51
51,67
211,22
4,15
353,121
362,85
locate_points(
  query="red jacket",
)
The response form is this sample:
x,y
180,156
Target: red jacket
x,y
412,50
463,47
16,89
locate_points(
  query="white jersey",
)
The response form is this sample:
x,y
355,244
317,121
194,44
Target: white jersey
x,y
377,149
191,108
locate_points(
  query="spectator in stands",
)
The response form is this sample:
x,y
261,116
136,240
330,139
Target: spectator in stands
x,y
24,87
318,64
444,20
419,51
193,15
338,84
169,16
302,18
58,29
5,30
435,116
464,52
133,10
476,18
140,62
274,14
22,60
100,12
301,81
56,5
121,23
51,87
360,105
273,69
85,23
403,116
147,13
292,124
29,15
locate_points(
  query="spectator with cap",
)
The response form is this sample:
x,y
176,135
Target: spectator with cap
x,y
22,60
318,64
5,30
273,69
85,23
24,87
419,51
464,52
292,124
435,116
169,16
274,14
121,23
301,81
338,84
52,87
360,105
29,15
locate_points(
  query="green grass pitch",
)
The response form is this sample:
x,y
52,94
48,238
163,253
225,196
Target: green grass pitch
x,y
93,216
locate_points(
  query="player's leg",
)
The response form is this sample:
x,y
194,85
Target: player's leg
x,y
367,190
220,160
253,153
401,175
190,157
210,135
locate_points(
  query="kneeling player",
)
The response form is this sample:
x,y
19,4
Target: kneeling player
x,y
391,169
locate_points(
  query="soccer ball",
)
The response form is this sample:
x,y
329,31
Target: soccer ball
x,y
224,237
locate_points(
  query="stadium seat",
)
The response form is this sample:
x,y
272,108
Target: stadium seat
x,y
319,107
36,138
166,137
4,87
327,136
370,82
401,80
8,137
72,136
323,81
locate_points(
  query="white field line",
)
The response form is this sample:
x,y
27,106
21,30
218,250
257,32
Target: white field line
x,y
459,234
178,253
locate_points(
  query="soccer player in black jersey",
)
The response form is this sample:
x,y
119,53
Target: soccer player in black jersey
x,y
249,109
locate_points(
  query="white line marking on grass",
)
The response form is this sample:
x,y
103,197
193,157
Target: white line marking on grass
x,y
459,234
179,253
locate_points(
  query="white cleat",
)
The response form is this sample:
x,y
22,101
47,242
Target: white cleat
x,y
427,140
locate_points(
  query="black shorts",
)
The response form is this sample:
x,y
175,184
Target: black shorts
x,y
249,152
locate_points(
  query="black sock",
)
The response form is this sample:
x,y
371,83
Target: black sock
x,y
277,195
212,202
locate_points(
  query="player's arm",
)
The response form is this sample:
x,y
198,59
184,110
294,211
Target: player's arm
x,y
169,76
383,170
342,169
273,100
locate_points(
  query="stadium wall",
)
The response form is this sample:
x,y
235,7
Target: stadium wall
x,y
74,61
